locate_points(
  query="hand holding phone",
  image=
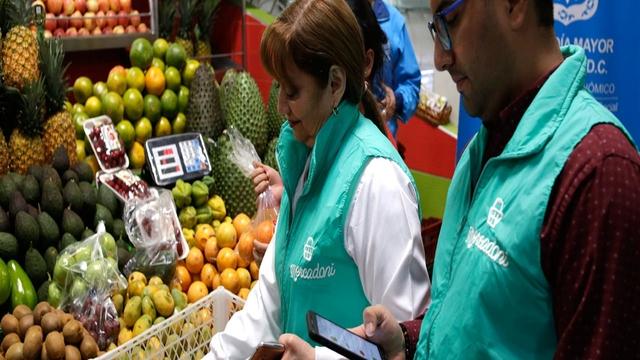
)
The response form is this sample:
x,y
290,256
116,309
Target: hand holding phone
x,y
341,340
268,351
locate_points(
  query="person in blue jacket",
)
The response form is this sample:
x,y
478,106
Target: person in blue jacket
x,y
398,90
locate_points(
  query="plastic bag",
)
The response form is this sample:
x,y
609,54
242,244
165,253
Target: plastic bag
x,y
244,155
154,230
88,273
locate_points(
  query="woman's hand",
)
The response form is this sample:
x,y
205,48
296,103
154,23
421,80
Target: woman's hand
x,y
383,329
259,248
264,176
296,348
388,103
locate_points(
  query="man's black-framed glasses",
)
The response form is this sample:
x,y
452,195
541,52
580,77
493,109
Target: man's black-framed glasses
x,y
438,27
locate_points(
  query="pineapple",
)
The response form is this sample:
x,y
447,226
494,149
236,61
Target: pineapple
x,y
20,47
4,155
203,29
184,34
58,128
8,101
167,13
204,112
25,144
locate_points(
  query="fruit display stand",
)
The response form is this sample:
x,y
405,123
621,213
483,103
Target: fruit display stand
x,y
174,338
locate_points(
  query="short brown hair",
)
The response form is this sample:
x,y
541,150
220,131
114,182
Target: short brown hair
x,y
316,34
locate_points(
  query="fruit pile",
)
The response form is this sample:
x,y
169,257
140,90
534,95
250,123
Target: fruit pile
x,y
92,17
148,99
45,333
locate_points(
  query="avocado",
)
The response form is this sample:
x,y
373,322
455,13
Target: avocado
x,y
118,229
108,199
8,246
73,197
33,211
49,230
16,204
7,187
52,201
50,256
35,266
17,179
5,223
86,233
60,160
67,239
35,171
103,214
31,190
72,223
85,173
70,175
43,291
123,258
27,230
49,173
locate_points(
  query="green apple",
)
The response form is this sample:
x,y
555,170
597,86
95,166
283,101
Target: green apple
x,y
60,270
54,294
108,245
82,254
79,288
95,273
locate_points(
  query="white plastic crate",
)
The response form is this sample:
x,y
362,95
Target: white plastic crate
x,y
177,340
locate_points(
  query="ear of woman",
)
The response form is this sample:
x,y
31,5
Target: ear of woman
x,y
338,83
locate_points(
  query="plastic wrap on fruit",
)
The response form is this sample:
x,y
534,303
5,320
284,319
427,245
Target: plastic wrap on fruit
x,y
199,193
182,194
160,262
216,204
204,215
188,217
96,311
211,184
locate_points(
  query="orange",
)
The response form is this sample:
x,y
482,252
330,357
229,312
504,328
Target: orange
x,y
243,293
207,273
242,262
172,75
135,78
264,231
189,71
113,106
154,81
197,291
160,47
176,56
183,277
163,127
118,69
136,155
183,99
127,132
159,63
227,259
203,233
133,104
82,89
195,277
169,101
253,283
93,106
117,82
226,235
242,223
254,269
179,123
78,108
215,282
244,278
245,246
152,107
141,53
81,152
229,279
211,249
100,88
195,260
143,130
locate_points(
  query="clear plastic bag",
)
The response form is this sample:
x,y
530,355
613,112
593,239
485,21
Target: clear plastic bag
x,y
154,230
89,272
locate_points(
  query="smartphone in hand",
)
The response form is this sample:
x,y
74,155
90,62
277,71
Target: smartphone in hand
x,y
268,351
341,340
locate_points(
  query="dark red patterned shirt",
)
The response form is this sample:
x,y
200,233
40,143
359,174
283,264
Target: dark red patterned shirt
x,y
590,241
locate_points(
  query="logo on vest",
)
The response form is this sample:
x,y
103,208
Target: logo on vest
x,y
495,213
316,272
488,247
575,10
309,247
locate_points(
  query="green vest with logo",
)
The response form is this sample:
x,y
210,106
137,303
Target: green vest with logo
x,y
490,297
313,269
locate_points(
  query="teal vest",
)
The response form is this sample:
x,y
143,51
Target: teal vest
x,y
313,269
490,296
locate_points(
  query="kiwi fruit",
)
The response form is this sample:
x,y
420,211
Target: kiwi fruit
x,y
72,332
55,345
65,318
24,324
40,310
20,311
9,324
9,340
15,352
88,348
50,322
71,353
43,355
32,343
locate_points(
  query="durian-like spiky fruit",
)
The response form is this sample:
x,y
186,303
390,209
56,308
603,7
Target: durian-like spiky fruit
x,y
204,112
58,129
25,144
20,47
235,188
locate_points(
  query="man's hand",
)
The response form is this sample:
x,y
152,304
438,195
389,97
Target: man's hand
x,y
296,348
388,103
264,176
380,327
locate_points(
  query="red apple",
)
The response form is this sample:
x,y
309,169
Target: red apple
x,y
134,17
131,29
50,22
62,23
81,5
47,34
71,32
83,32
89,20
59,32
92,5
125,5
96,31
107,30
76,20
118,29
123,18
69,7
54,6
112,20
143,28
101,21
103,5
114,5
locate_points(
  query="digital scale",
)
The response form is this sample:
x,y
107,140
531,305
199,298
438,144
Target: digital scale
x,y
173,157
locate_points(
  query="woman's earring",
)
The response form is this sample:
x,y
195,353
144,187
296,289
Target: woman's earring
x,y
335,110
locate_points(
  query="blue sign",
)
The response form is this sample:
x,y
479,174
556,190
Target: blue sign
x,y
610,37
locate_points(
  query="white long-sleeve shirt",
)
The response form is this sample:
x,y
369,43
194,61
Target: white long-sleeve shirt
x,y
383,238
